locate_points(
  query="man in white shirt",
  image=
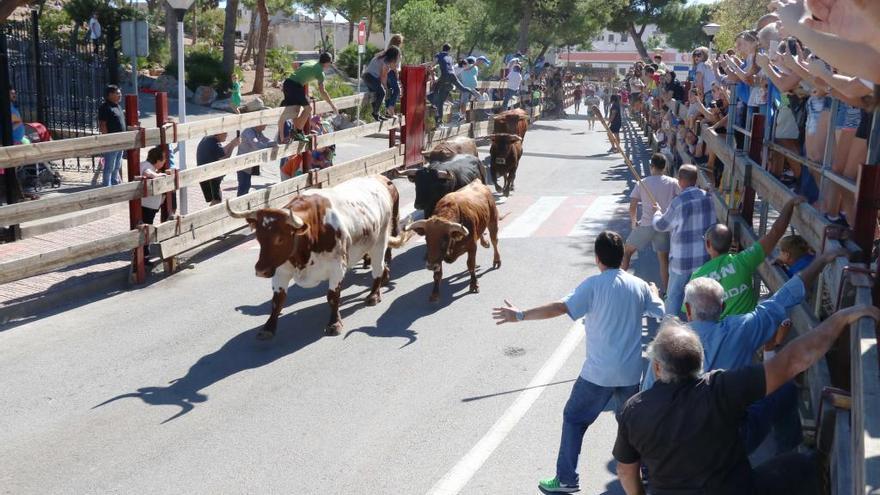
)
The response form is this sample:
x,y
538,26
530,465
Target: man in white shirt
x,y
95,32
662,188
514,83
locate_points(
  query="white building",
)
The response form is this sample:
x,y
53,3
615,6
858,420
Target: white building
x,y
300,32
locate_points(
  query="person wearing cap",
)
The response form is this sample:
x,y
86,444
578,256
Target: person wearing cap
x,y
515,60
468,78
658,59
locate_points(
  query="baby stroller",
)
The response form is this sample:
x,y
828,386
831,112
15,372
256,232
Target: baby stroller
x,y
37,176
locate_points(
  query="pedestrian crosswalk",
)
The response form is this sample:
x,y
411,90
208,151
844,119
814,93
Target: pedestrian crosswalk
x,y
549,216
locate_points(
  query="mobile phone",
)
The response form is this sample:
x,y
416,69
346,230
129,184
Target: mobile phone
x,y
792,46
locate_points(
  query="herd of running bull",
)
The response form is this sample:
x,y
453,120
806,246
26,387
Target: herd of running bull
x,y
321,233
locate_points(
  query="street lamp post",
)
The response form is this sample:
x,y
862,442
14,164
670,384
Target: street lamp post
x,y
180,7
711,30
387,21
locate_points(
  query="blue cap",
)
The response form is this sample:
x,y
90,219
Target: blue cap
x,y
484,59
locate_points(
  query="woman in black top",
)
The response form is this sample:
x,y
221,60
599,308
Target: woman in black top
x,y
614,120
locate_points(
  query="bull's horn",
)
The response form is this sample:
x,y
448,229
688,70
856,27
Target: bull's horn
x,y
415,225
294,221
410,172
457,227
235,214
443,174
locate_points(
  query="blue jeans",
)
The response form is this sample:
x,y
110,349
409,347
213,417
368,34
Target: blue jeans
x,y
587,400
675,292
112,164
777,411
244,182
393,90
374,85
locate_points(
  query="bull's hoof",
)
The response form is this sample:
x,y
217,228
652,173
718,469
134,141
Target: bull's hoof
x,y
265,335
333,329
475,289
434,298
386,276
496,264
497,188
373,299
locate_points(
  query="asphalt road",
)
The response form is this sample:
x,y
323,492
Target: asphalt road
x,y
164,389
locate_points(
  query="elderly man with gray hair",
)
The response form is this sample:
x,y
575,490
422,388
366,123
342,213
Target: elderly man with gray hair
x,y
731,344
685,429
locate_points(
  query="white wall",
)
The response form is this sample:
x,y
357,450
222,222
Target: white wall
x,y
301,33
609,41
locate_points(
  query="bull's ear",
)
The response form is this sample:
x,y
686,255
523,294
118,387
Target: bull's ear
x,y
252,222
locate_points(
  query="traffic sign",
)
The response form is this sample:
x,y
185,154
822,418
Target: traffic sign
x,y
362,32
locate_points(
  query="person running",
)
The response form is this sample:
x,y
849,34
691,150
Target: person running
x,y
578,96
612,304
664,189
614,120
445,82
592,100
296,102
376,77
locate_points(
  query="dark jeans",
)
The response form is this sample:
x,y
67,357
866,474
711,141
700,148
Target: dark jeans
x,y
777,411
244,182
147,217
393,90
211,189
587,400
374,85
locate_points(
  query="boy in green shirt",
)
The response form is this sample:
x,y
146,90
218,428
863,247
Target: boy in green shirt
x,y
735,271
296,102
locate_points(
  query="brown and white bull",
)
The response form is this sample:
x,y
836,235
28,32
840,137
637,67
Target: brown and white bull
x,y
458,224
504,155
320,234
446,150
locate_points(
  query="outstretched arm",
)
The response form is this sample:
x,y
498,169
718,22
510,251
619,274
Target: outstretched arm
x,y
771,238
806,350
508,313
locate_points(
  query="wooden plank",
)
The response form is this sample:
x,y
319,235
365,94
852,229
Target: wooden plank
x,y
865,413
57,205
30,266
12,156
841,455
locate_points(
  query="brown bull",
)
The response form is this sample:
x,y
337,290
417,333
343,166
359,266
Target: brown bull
x,y
458,224
514,121
446,150
504,158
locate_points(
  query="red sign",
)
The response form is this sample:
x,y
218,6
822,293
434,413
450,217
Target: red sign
x,y
362,32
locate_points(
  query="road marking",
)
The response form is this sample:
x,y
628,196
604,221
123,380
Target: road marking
x,y
596,217
456,479
533,217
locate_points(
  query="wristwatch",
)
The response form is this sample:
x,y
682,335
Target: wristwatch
x,y
520,316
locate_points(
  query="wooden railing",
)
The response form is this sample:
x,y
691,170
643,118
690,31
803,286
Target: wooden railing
x,y
186,232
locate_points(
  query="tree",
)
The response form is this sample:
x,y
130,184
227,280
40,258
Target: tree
x,y
736,16
262,44
229,36
634,16
426,26
683,25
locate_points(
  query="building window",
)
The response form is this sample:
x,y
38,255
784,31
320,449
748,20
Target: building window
x,y
611,38
624,37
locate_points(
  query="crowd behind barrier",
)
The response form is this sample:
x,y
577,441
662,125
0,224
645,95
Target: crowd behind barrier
x,y
772,118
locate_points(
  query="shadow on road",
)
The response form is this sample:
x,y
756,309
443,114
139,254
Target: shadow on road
x,y
506,392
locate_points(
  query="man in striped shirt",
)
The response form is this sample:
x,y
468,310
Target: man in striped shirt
x,y
688,217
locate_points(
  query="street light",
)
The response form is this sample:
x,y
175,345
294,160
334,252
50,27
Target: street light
x,y
387,21
711,30
180,7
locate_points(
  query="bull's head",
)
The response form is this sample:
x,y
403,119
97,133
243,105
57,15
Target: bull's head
x,y
431,185
501,147
440,235
276,231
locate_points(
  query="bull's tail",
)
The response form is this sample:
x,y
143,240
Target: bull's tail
x,y
398,241
502,217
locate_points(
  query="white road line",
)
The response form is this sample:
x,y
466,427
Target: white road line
x,y
596,217
532,218
464,470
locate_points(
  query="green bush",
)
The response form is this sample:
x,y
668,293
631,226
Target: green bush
x,y
279,61
204,67
348,58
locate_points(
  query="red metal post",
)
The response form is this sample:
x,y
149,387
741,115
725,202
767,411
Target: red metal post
x,y
307,126
133,157
755,149
162,119
413,79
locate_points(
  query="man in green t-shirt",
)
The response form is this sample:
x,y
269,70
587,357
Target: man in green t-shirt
x,y
735,271
296,102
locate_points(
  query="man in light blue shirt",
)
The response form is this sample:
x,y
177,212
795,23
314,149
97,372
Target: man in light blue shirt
x,y
612,304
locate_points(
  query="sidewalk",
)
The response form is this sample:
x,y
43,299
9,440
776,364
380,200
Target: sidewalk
x,y
112,271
